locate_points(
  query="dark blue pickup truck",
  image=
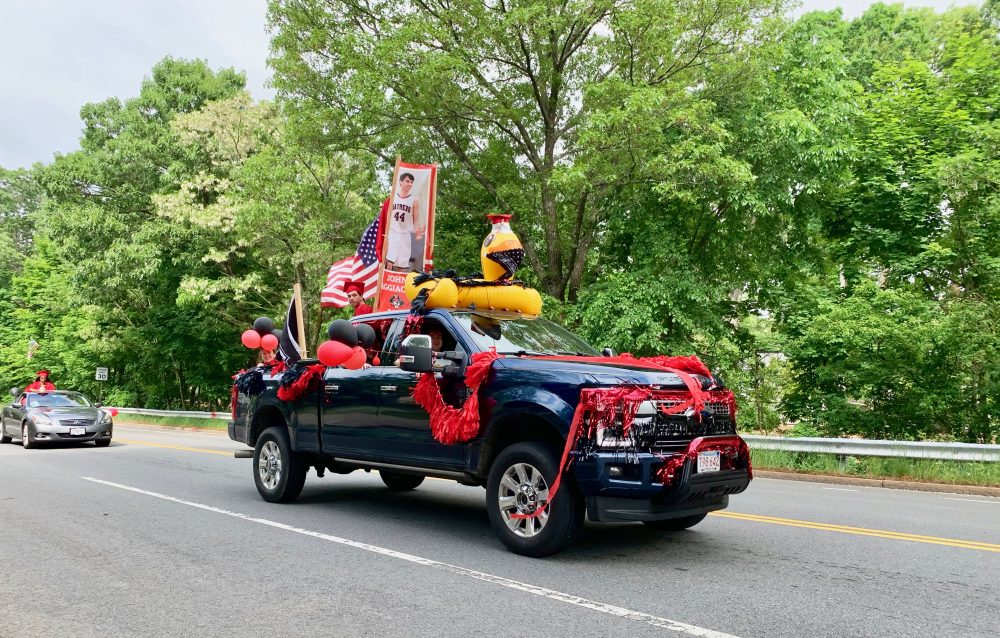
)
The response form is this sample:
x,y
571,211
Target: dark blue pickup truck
x,y
368,419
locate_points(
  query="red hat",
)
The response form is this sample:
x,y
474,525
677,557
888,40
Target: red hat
x,y
356,286
41,372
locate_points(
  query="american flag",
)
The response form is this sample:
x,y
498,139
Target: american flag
x,y
361,266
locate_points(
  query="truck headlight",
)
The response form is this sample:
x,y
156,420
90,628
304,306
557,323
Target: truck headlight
x,y
104,418
611,437
41,419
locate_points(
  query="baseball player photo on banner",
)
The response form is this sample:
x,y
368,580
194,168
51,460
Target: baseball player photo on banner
x,y
409,235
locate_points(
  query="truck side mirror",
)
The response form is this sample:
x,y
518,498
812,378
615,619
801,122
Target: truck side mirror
x,y
415,354
14,392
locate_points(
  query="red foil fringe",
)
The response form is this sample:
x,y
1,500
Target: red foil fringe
x,y
732,449
302,384
602,405
455,425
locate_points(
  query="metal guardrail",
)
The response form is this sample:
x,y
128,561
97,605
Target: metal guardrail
x,y
193,415
865,447
840,447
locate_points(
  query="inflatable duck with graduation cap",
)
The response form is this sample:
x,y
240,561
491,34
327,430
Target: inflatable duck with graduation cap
x,y
500,257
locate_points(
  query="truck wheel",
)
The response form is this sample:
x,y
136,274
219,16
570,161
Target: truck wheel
x,y
400,482
676,524
278,472
3,435
102,442
518,484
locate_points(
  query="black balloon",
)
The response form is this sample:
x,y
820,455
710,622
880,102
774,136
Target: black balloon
x,y
343,331
277,333
366,335
263,326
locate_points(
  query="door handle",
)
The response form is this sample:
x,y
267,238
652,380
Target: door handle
x,y
333,388
388,388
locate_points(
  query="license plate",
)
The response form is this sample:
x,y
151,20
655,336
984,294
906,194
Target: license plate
x,y
709,461
82,431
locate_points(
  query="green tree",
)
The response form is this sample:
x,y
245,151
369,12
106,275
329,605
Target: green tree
x,y
520,95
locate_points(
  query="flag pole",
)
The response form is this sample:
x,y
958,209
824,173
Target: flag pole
x,y
298,315
385,231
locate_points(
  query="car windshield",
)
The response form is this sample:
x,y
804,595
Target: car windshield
x,y
522,335
70,400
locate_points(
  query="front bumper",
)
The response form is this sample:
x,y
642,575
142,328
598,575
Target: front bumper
x,y
61,434
640,496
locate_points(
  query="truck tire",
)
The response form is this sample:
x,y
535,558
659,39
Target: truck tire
x,y
518,482
400,482
278,473
3,435
676,524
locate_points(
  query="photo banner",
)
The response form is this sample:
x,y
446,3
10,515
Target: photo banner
x,y
408,244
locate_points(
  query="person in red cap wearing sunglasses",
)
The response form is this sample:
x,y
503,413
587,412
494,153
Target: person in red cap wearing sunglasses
x,y
354,289
42,383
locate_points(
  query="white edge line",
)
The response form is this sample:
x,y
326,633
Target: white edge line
x,y
613,610
838,489
972,500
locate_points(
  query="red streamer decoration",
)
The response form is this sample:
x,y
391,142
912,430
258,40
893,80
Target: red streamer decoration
x,y
687,366
278,367
602,406
455,425
301,385
731,449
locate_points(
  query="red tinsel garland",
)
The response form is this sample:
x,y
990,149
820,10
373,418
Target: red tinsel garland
x,y
302,384
455,425
234,395
602,406
731,449
278,367
685,367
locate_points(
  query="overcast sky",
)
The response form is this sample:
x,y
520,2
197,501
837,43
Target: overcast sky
x,y
57,55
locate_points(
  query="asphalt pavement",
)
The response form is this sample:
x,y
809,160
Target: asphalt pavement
x,y
163,534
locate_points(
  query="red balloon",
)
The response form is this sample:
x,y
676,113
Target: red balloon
x,y
251,339
333,353
114,412
268,342
376,361
357,360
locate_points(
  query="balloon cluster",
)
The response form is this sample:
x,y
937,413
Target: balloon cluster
x,y
347,345
263,335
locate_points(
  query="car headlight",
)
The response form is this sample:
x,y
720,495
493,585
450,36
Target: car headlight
x,y
41,419
104,418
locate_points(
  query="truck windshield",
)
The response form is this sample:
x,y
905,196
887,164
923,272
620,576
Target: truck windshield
x,y
522,335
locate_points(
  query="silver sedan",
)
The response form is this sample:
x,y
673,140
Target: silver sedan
x,y
55,417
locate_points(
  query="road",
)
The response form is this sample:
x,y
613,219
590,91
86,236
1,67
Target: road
x,y
163,534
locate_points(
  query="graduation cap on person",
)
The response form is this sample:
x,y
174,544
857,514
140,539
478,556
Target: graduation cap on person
x,y
355,286
41,372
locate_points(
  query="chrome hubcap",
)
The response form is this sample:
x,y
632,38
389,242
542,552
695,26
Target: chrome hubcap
x,y
523,491
269,465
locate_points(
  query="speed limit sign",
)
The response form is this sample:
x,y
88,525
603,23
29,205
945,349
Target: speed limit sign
x,y
102,374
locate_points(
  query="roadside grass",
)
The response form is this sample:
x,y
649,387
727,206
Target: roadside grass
x,y
171,421
927,470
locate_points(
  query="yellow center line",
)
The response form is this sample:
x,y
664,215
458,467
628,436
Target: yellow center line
x,y
175,447
861,531
773,520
